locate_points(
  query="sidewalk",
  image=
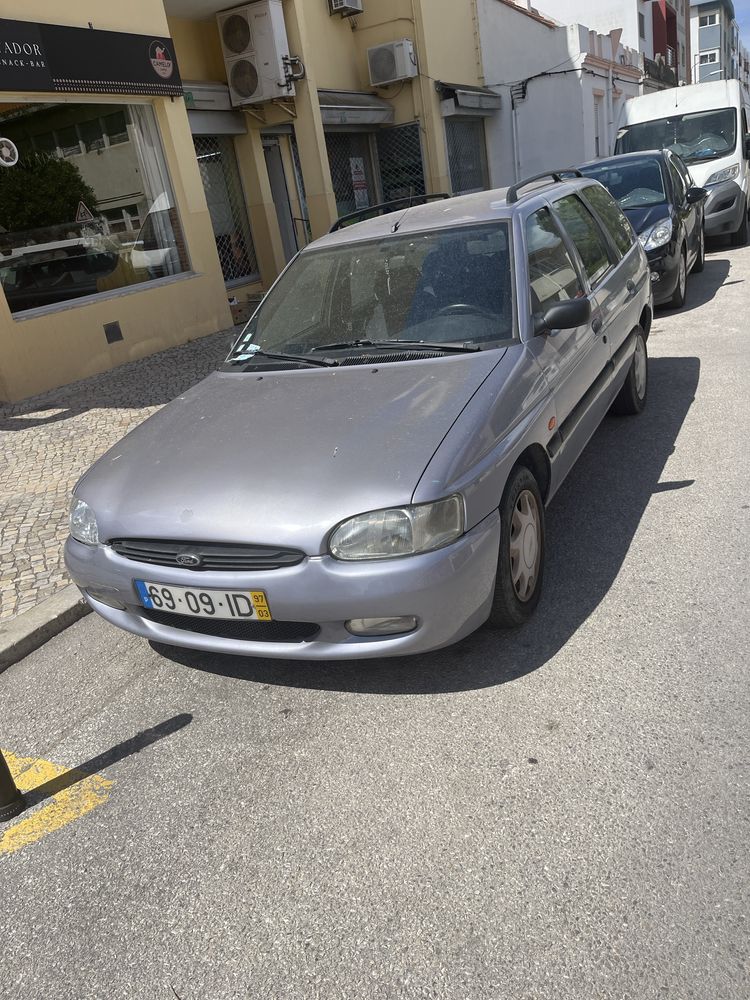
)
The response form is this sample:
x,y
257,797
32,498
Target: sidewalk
x,y
48,441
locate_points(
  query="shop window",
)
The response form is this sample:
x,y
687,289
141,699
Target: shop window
x,y
351,170
217,162
467,155
78,217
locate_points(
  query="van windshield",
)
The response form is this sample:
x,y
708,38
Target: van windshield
x,y
706,135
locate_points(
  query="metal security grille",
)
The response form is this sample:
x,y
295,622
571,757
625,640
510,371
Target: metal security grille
x,y
351,170
226,204
467,155
400,162
300,181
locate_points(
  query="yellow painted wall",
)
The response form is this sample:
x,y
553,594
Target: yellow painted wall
x,y
198,49
142,17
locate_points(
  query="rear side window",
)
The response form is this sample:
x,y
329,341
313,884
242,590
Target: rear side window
x,y
612,216
552,274
677,182
586,235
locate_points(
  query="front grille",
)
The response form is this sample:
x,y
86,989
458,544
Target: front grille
x,y
231,629
213,555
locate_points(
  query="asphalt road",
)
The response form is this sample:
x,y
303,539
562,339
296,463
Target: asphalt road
x,y
562,812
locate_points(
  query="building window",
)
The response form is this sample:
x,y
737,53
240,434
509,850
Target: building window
x,y
89,207
598,131
709,57
350,160
641,24
467,154
706,20
399,151
217,162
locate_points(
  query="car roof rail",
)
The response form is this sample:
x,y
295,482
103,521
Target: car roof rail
x,y
373,211
558,176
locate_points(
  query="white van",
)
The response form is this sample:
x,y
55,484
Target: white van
x,y
706,124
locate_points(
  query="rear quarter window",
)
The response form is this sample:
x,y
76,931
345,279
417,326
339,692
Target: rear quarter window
x,y
612,217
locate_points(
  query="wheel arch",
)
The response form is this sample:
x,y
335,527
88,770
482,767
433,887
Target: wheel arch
x,y
536,460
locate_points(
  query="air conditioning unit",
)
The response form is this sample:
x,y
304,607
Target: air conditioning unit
x,y
254,43
346,7
392,62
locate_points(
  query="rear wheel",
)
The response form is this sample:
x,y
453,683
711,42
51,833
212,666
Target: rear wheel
x,y
631,399
678,299
520,564
739,239
700,260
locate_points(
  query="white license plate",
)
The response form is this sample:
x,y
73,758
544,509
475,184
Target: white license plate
x,y
245,605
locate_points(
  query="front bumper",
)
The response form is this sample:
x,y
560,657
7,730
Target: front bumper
x,y
663,265
448,591
723,209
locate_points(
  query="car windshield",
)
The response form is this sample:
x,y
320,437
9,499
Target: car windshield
x,y
634,183
451,286
698,137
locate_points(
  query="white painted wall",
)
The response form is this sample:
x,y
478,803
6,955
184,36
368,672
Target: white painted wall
x,y
554,127
602,16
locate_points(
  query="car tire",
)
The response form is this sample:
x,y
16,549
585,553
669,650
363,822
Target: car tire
x,y
678,298
520,564
631,399
739,239
700,260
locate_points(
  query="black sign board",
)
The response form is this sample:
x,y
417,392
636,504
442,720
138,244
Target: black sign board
x,y
58,58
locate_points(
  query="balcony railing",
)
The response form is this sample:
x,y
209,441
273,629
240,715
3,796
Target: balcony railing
x,y
659,72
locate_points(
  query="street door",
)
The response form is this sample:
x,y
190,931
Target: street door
x,y
280,192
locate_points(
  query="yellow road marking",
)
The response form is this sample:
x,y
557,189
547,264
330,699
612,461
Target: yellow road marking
x,y
73,793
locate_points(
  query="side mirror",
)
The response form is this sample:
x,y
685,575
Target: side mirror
x,y
696,194
565,315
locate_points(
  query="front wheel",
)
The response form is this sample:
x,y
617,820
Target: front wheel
x,y
678,299
520,564
739,239
700,260
631,399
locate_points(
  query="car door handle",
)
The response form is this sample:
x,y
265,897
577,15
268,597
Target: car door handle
x,y
596,324
631,287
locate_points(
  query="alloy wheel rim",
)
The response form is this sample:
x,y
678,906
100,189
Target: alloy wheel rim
x,y
640,368
525,545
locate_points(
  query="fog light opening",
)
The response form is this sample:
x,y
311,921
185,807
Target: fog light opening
x,y
106,597
381,626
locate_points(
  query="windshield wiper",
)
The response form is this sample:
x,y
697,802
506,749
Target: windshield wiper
x,y
244,359
418,345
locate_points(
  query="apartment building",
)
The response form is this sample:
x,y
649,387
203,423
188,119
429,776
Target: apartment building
x,y
658,29
161,157
718,51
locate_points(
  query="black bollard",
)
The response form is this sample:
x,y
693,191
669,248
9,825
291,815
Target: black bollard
x,y
11,800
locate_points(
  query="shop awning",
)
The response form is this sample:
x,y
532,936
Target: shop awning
x,y
347,107
463,99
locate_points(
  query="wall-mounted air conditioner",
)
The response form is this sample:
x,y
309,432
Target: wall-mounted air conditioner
x,y
346,7
392,62
254,43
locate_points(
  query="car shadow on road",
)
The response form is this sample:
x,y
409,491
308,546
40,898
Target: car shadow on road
x,y
590,526
701,288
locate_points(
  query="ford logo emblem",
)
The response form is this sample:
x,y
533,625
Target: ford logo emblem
x,y
188,559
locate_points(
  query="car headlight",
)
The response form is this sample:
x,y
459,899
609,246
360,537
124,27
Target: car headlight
x,y
399,531
83,525
656,236
727,174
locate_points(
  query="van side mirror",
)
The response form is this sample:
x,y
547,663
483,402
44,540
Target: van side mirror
x,y
565,315
696,194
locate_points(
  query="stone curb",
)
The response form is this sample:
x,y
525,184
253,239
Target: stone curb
x,y
23,634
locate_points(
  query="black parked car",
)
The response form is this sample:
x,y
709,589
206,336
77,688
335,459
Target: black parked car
x,y
657,193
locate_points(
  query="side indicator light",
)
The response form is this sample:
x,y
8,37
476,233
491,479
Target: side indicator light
x,y
552,423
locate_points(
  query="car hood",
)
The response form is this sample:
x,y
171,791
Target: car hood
x,y
642,218
282,457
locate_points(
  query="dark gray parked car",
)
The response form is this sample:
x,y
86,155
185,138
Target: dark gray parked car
x,y
367,473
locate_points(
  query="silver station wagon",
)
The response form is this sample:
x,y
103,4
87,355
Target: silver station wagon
x,y
366,475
